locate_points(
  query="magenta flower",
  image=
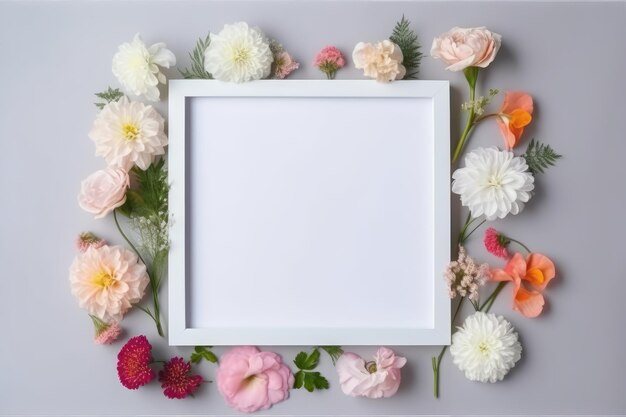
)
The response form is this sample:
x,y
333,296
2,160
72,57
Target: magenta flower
x,y
329,60
176,380
496,243
133,363
376,379
251,380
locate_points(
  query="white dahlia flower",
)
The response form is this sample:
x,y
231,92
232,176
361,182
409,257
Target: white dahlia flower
x,y
493,182
128,133
238,53
137,67
485,348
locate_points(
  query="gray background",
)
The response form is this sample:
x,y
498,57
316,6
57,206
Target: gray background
x,y
570,56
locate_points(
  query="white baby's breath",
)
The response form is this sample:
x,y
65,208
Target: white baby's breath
x,y
493,182
136,66
238,53
485,348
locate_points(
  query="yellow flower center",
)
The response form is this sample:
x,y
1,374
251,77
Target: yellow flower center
x,y
130,131
103,280
494,181
371,367
241,55
483,348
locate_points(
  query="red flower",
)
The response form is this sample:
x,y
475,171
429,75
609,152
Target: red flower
x,y
133,361
496,243
176,380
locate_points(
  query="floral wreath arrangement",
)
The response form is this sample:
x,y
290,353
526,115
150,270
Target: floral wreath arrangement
x,y
108,280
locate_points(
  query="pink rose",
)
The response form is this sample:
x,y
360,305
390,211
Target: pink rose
x,y
251,380
103,191
466,47
376,379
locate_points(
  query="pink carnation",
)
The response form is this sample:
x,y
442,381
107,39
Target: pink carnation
x,y
496,243
251,380
329,60
376,379
284,65
86,240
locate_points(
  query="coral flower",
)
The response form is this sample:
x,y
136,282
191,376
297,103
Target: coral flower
x,y
133,363
537,271
176,381
496,243
515,114
251,380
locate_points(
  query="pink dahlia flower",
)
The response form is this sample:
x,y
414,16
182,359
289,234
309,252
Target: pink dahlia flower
x,y
176,380
133,363
251,380
375,379
496,243
107,281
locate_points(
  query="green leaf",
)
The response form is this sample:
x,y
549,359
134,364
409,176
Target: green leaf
x,y
333,351
299,380
197,70
196,358
134,202
309,381
539,157
210,356
300,360
202,352
321,382
307,362
108,96
406,39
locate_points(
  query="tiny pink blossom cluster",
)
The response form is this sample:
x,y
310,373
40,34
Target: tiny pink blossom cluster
x,y
375,379
329,60
284,64
252,380
464,277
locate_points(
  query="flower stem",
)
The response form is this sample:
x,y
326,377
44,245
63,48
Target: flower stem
x,y
519,243
153,284
489,301
437,360
471,74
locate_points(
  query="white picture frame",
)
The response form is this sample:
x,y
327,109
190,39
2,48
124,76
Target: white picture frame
x,y
309,212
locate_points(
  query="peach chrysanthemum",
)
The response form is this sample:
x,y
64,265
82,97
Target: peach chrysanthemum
x,y
107,281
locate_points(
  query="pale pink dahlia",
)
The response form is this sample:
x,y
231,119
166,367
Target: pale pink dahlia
x,y
251,380
133,363
464,277
107,281
496,243
176,380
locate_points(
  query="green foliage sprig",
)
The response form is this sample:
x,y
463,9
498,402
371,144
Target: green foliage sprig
x,y
406,39
108,96
197,70
539,157
306,363
203,352
333,351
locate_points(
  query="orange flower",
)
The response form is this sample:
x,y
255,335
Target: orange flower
x,y
515,114
537,271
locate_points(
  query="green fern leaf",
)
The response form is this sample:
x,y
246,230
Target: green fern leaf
x,y
108,96
540,157
406,39
197,70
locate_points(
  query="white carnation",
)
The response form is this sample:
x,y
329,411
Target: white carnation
x,y
137,67
493,182
128,133
238,53
485,348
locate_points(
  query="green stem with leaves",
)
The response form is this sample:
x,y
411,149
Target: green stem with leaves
x,y
156,316
471,74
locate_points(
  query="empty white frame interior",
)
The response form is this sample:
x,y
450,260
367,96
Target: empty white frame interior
x,y
309,213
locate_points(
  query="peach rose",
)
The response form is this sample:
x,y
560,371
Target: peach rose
x,y
382,60
103,191
461,48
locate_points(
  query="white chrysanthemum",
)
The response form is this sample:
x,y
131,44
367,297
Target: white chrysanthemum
x,y
107,281
485,348
128,133
238,53
493,182
137,67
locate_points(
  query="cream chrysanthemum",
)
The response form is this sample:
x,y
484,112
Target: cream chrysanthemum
x,y
238,53
493,182
129,133
107,281
136,66
485,348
